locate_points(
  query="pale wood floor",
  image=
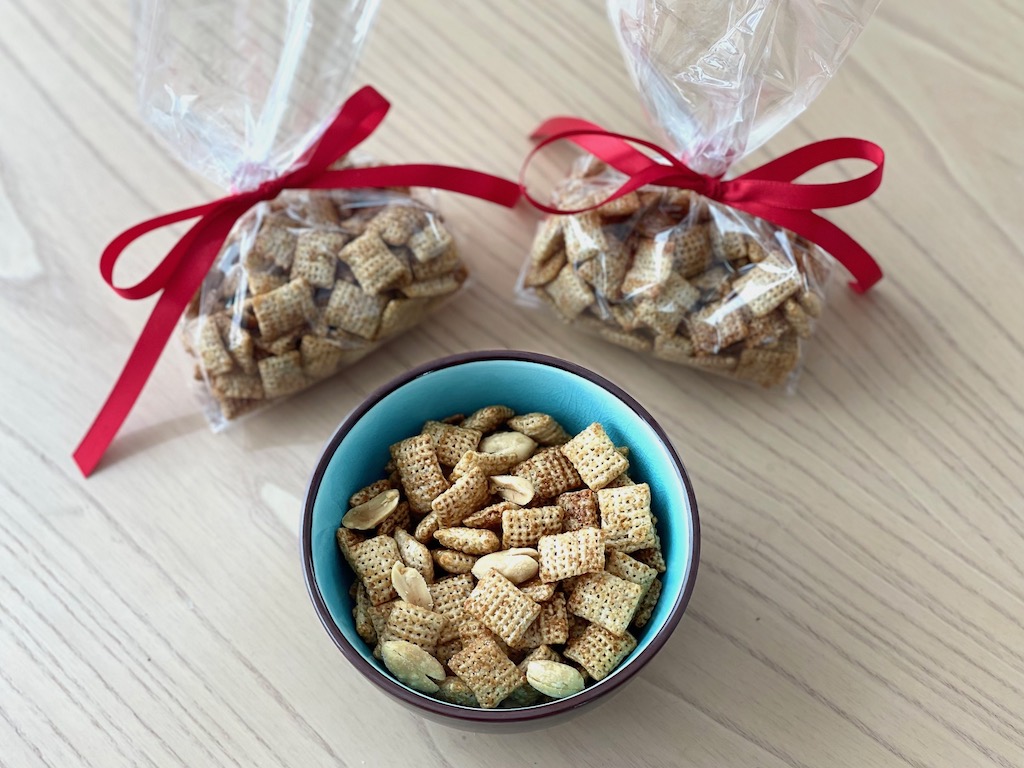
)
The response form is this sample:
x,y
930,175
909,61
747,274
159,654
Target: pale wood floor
x,y
861,592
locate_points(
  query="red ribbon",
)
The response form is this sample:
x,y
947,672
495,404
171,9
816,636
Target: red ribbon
x,y
767,192
181,272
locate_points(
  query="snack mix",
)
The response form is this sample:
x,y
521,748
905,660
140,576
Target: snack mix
x,y
502,562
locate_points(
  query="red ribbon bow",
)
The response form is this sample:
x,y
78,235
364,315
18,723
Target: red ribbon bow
x,y
181,272
767,192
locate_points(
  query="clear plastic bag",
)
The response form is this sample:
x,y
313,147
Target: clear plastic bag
x,y
313,280
310,283
668,271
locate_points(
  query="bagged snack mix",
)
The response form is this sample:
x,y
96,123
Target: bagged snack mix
x,y
661,254
314,258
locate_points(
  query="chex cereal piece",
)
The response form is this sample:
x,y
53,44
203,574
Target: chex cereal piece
x,y
541,273
811,302
435,286
769,283
593,455
584,236
652,265
472,541
264,282
372,561
448,648
488,418
379,615
401,518
625,567
444,264
473,629
674,349
621,207
626,519
487,671
502,607
635,341
376,268
714,363
424,532
606,600
570,292
282,375
541,427
347,541
451,442
729,246
607,271
646,608
320,357
400,315
718,326
580,510
353,310
651,553
692,249
540,653
548,241
316,257
767,330
524,527
577,626
454,690
465,496
414,624
414,554
361,615
367,492
449,595
797,317
284,309
625,317
317,208
531,639
537,590
768,367
214,356
452,561
488,463
419,471
550,473
430,242
238,385
599,651
239,343
570,554
523,696
273,245
282,344
554,623
396,223
490,516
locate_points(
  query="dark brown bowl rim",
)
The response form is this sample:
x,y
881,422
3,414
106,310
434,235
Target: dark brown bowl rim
x,y
434,706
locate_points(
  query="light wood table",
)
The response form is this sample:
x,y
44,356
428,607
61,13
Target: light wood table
x,y
860,600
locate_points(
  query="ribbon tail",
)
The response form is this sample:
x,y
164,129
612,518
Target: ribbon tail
x,y
847,251
179,290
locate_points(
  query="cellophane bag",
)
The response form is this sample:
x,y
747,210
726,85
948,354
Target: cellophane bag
x,y
311,281
670,272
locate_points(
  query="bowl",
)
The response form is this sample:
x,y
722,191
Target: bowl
x,y
355,456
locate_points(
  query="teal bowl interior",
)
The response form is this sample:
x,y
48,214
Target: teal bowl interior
x,y
526,382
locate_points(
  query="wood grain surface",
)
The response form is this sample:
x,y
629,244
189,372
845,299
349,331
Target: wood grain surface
x,y
861,592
